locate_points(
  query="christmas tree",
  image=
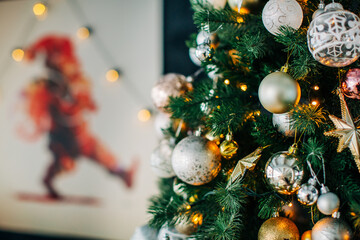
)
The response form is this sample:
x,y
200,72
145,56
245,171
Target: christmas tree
x,y
261,142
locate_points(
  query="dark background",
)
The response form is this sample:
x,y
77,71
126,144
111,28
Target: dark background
x,y
178,25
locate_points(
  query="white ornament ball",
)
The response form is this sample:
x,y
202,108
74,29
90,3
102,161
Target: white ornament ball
x,y
334,36
282,123
196,160
279,92
170,85
161,159
328,203
193,57
217,4
162,121
277,13
331,229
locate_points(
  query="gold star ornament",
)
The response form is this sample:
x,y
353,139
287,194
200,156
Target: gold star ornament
x,y
247,163
346,131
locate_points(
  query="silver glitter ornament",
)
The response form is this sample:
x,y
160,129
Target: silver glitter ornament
x,y
308,194
334,36
328,202
196,160
330,228
161,159
284,171
203,52
170,85
282,123
279,92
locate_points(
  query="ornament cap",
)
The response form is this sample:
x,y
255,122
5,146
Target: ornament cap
x,y
228,137
293,149
284,68
312,181
324,189
336,215
333,7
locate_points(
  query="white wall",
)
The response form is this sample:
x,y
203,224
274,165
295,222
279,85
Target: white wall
x,y
132,31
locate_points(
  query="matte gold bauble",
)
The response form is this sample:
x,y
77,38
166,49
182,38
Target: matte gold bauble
x,y
278,228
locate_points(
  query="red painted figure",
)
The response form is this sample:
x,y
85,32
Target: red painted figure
x,y
57,105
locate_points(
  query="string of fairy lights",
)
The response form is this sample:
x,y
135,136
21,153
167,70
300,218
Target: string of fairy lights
x,y
112,75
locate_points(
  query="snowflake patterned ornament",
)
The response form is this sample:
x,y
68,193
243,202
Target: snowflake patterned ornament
x,y
334,36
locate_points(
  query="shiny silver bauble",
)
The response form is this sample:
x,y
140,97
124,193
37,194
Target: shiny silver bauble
x,y
203,52
279,92
196,160
284,172
308,194
330,228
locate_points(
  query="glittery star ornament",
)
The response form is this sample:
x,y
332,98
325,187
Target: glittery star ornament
x,y
346,131
248,162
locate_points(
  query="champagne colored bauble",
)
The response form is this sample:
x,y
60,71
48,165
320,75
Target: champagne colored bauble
x,y
308,194
278,92
193,57
162,121
277,13
334,36
328,202
306,235
330,228
185,226
196,160
161,159
350,85
284,172
170,85
217,4
278,228
169,233
282,123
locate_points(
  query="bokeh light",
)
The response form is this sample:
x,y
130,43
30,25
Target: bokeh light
x,y
18,54
144,115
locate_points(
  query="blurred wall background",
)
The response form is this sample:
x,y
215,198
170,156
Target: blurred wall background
x,y
131,31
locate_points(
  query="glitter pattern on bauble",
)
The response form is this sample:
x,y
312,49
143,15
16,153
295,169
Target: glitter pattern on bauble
x,y
330,228
170,85
350,85
277,13
278,228
334,36
279,92
196,160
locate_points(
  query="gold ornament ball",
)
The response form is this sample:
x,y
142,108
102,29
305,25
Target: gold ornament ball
x,y
278,228
279,92
228,148
306,235
186,226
